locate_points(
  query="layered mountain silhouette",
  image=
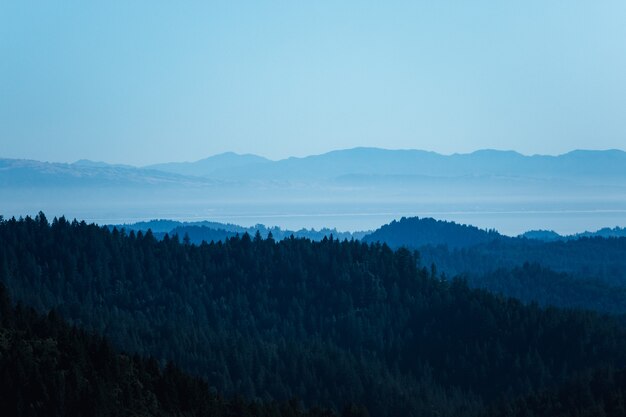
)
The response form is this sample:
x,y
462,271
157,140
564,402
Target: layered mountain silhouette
x,y
209,166
586,270
383,162
347,185
349,164
15,173
551,235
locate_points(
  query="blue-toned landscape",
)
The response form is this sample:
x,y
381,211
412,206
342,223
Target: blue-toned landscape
x,y
324,209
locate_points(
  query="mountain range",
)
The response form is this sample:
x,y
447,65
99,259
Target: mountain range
x,y
411,163
353,189
16,173
341,164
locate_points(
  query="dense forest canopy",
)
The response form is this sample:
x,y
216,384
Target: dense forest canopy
x,y
329,322
586,271
457,248
50,369
597,258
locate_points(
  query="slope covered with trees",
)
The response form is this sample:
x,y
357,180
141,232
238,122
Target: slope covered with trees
x,y
330,322
50,369
457,248
601,259
532,282
582,272
601,393
587,273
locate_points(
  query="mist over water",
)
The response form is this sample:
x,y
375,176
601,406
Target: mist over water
x,y
509,219
350,190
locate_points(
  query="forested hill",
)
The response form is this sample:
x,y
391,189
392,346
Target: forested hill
x,y
413,232
329,322
50,369
581,272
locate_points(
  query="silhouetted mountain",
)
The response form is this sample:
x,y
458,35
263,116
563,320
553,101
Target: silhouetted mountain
x,y
414,232
208,166
18,173
98,164
582,165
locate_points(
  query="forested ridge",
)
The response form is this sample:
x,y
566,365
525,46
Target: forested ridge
x,y
585,271
597,258
457,248
329,322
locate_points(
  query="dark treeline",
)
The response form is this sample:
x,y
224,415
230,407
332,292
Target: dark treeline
x,y
50,369
329,322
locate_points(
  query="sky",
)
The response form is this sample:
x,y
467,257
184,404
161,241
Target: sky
x,y
142,82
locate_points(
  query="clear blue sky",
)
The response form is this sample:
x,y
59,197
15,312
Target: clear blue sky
x,y
146,81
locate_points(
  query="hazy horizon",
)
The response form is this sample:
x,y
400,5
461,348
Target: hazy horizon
x,y
331,150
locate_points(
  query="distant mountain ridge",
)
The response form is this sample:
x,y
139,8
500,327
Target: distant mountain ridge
x,y
551,235
205,167
376,161
207,231
370,183
16,173
579,165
